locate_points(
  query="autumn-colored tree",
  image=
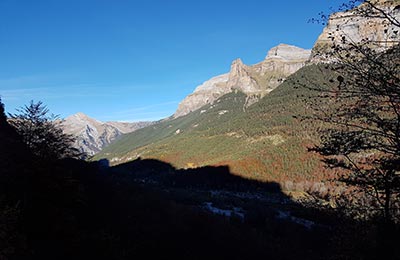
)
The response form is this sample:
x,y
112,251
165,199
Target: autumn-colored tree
x,y
362,113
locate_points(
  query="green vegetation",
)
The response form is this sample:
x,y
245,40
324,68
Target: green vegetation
x,y
265,141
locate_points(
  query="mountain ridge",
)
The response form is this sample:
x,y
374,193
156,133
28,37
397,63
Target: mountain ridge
x,y
263,141
255,134
93,135
254,80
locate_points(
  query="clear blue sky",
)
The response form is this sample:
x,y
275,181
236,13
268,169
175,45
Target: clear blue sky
x,y
136,60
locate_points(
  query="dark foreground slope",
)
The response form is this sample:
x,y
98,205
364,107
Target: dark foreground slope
x,y
71,209
265,141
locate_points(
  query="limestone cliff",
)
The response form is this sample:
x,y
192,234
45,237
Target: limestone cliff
x,y
255,81
206,93
92,135
363,24
280,62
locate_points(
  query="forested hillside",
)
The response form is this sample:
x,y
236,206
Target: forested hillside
x,y
266,141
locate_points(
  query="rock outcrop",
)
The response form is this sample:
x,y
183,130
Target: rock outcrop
x,y
241,78
206,93
280,62
255,81
92,135
362,24
283,60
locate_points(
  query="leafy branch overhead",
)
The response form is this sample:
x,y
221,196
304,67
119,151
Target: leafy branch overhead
x,y
362,111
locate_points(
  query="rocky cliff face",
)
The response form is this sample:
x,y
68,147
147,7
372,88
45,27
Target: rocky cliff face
x,y
283,60
206,93
92,135
363,24
255,81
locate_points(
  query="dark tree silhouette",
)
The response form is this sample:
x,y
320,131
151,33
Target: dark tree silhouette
x,y
2,112
369,8
42,132
362,113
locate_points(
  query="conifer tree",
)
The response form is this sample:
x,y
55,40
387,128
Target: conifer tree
x,y
42,132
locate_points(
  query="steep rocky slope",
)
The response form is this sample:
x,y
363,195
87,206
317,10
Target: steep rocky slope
x,y
92,135
363,24
255,81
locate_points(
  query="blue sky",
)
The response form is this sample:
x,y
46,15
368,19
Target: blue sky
x,y
133,60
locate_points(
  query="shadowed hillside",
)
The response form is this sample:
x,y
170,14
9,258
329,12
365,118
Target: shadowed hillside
x,y
185,224
71,209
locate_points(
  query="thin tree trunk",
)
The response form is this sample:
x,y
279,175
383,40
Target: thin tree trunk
x,y
388,216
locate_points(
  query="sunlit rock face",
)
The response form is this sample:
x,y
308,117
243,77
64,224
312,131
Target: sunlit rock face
x,y
206,93
354,26
283,60
93,135
255,80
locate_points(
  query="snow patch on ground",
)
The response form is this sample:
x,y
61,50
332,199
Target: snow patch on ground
x,y
303,222
116,159
235,212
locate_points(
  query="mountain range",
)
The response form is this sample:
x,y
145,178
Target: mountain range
x,y
255,81
229,175
93,135
247,118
